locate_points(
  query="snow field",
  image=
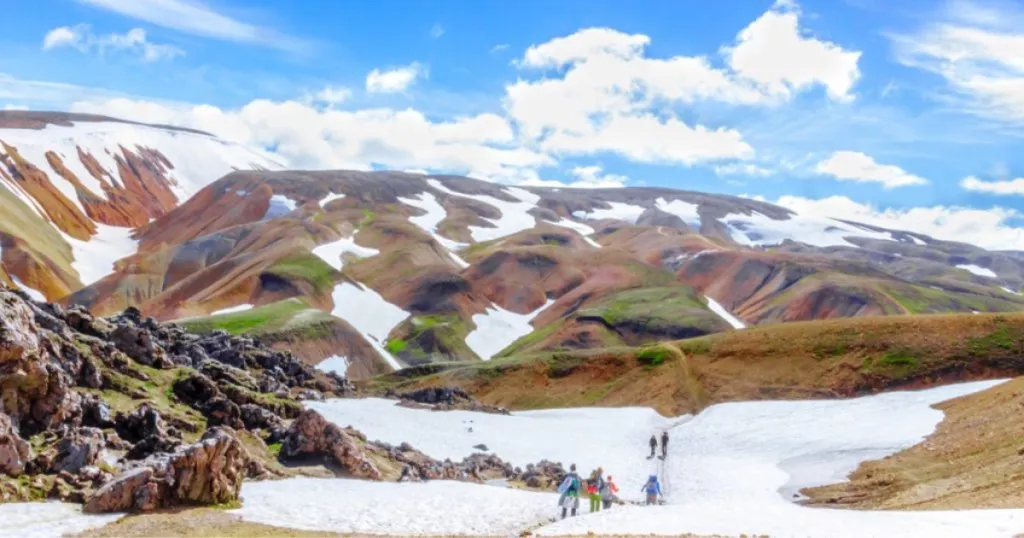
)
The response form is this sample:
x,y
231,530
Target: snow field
x,y
428,222
684,210
279,206
727,472
583,230
330,198
370,314
95,258
515,216
331,252
334,363
616,210
497,328
1008,290
48,520
758,229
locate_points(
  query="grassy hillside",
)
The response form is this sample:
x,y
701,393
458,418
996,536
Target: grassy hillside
x,y
820,359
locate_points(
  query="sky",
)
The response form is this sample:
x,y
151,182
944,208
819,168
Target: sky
x,y
902,114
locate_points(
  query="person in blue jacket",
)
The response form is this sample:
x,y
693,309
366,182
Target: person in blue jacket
x,y
570,492
653,489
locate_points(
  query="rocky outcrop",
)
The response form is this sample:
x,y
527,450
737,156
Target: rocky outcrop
x,y
207,472
79,448
446,399
14,451
312,435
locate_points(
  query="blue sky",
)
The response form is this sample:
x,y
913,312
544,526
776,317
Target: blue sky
x,y
853,108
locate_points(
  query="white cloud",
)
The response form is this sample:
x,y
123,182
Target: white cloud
x,y
861,168
43,94
742,169
305,136
332,95
1001,188
773,52
977,49
10,106
196,18
499,47
394,80
436,31
986,228
134,41
604,93
585,177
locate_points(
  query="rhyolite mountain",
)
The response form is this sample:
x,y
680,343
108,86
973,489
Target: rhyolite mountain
x,y
374,271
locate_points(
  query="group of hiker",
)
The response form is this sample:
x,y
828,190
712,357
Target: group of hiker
x,y
601,490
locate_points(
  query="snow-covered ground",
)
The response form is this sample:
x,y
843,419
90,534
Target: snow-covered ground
x,y
232,310
616,210
48,520
762,230
497,328
94,259
718,309
280,205
434,214
1008,290
978,270
35,294
368,313
730,470
515,216
334,363
681,209
583,229
331,252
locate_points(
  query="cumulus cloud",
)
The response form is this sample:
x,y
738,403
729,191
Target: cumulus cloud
x,y
585,177
858,167
1001,188
328,95
987,228
394,80
133,41
604,92
305,136
976,48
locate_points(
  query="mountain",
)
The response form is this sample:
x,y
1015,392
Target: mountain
x,y
376,271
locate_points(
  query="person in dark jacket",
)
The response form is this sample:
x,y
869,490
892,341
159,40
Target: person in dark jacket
x,y
664,444
570,492
654,445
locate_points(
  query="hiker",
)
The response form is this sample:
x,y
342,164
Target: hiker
x,y
594,486
653,489
608,492
570,491
654,445
664,444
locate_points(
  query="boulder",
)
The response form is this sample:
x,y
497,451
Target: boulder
x,y
207,472
15,452
140,424
138,344
79,448
311,434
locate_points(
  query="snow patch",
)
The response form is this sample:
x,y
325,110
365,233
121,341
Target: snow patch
x,y
722,312
583,230
48,519
615,211
758,229
280,206
978,270
497,328
368,313
684,210
94,259
35,294
515,216
232,310
1008,290
331,252
330,198
436,508
334,363
917,241
434,214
